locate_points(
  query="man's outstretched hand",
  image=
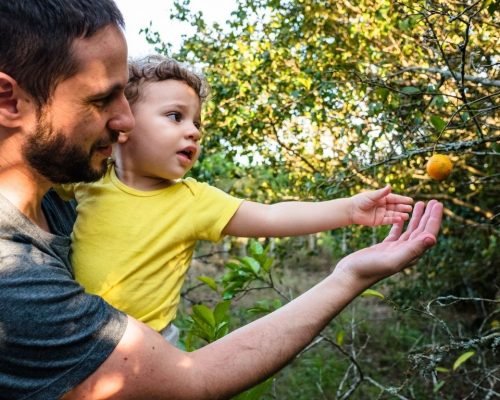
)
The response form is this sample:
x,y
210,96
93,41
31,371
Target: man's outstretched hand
x,y
399,248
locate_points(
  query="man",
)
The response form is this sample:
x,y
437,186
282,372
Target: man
x,y
62,74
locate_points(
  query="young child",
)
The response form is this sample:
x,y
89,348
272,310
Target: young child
x,y
137,227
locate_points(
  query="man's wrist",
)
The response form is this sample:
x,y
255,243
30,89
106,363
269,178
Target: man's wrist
x,y
345,277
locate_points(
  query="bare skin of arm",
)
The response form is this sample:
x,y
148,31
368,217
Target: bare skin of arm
x,y
145,366
293,218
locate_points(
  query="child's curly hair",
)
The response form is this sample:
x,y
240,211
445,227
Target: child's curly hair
x,y
157,68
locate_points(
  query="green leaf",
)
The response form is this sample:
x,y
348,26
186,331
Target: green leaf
x,y
438,101
233,265
442,369
204,313
438,386
252,263
209,282
404,24
228,294
266,265
255,248
374,293
493,6
265,306
410,90
203,334
463,358
340,337
438,123
221,311
256,392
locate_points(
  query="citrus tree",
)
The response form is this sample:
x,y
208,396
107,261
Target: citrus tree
x,y
315,99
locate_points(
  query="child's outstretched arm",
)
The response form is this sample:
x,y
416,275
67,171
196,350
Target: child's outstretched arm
x,y
294,218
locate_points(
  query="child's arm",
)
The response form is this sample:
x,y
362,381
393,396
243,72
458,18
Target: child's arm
x,y
379,207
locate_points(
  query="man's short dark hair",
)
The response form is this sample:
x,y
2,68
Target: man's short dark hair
x,y
36,38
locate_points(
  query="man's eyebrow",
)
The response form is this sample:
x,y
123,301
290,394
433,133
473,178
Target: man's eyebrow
x,y
117,88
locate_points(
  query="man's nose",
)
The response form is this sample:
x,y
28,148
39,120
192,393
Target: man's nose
x,y
122,119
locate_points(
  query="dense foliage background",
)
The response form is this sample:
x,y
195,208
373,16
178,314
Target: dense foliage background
x,y
315,99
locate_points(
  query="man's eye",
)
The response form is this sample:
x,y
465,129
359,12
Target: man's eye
x,y
175,116
99,102
102,101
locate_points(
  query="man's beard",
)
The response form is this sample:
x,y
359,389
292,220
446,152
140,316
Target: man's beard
x,y
52,155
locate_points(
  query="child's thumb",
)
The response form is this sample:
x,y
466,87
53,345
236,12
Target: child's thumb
x,y
378,194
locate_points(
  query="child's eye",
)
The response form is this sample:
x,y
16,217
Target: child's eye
x,y
197,125
175,116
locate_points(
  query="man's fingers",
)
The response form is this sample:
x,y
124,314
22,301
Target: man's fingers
x,y
395,232
418,211
433,223
425,218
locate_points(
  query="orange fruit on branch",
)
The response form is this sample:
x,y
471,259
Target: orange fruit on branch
x,y
439,167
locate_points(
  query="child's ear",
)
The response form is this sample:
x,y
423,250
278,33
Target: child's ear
x,y
122,137
10,115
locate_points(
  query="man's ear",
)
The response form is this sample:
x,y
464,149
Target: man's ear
x,y
9,100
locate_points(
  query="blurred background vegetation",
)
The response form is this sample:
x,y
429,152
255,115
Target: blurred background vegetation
x,y
316,99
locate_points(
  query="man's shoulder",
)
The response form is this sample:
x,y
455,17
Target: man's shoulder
x,y
48,320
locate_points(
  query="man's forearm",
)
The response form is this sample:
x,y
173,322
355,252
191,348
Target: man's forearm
x,y
258,350
144,365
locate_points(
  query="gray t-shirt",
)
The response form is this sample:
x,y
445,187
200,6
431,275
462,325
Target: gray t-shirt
x,y
52,334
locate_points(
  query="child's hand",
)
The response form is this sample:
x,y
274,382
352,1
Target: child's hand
x,y
380,207
398,249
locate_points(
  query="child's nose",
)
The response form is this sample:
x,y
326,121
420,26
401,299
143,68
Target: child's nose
x,y
194,133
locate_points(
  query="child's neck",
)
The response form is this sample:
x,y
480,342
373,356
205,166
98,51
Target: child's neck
x,y
140,182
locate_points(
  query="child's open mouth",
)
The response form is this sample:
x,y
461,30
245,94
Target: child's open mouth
x,y
188,153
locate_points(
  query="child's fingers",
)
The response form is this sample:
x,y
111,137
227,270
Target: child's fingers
x,y
392,217
379,193
405,208
398,199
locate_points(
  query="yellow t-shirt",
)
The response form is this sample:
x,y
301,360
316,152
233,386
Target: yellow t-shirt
x,y
134,247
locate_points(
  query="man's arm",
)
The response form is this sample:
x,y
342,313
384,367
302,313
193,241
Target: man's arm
x,y
295,218
144,365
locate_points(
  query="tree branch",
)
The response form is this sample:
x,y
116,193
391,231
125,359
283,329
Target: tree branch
x,y
450,74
